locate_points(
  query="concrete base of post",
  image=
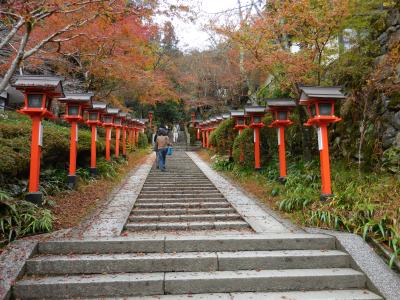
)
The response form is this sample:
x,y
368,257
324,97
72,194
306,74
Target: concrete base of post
x,y
93,172
71,181
282,180
35,198
325,197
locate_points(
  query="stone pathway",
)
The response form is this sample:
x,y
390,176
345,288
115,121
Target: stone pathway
x,y
182,198
190,234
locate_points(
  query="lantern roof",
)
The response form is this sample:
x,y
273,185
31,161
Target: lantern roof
x,y
254,109
112,110
320,92
85,99
123,114
219,118
237,113
281,102
226,116
53,83
97,105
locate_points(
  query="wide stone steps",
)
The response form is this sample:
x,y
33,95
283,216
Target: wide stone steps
x,y
182,225
181,211
138,284
185,262
182,199
176,218
183,205
354,294
172,200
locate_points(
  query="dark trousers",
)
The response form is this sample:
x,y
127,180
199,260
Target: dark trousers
x,y
162,155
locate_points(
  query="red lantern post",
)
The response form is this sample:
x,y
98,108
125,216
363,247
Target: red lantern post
x,y
151,120
320,102
280,110
240,125
108,124
94,120
124,126
39,92
117,127
256,113
75,105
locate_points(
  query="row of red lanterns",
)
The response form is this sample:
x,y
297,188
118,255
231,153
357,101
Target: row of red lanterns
x,y
39,93
320,102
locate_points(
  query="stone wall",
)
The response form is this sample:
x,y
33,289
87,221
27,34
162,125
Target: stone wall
x,y
389,40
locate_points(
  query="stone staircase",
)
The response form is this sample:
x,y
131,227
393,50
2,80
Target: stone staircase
x,y
271,266
195,261
182,198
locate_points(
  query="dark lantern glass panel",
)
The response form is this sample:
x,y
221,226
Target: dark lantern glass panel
x,y
35,100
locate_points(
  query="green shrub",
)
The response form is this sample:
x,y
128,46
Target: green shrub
x,y
223,163
193,135
244,142
143,141
222,138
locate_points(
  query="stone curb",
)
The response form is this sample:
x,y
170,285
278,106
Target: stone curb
x,y
12,264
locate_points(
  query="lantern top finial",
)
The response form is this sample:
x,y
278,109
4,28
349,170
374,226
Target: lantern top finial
x,y
40,82
320,92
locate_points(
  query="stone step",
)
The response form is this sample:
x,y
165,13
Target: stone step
x,y
198,243
177,182
179,195
176,218
199,225
178,211
172,200
179,185
359,294
178,188
183,205
185,262
141,284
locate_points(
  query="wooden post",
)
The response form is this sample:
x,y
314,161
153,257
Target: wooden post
x,y
34,174
124,142
117,136
108,141
93,153
282,153
257,155
72,154
324,157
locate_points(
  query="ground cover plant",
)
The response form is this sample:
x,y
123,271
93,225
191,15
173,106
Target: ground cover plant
x,y
365,202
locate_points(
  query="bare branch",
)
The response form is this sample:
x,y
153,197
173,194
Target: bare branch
x,y
12,33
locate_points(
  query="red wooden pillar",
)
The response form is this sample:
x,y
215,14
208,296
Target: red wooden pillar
x,y
117,137
124,141
72,153
34,173
282,153
108,142
324,160
93,154
257,155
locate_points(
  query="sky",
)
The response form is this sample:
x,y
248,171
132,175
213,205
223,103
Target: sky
x,y
191,35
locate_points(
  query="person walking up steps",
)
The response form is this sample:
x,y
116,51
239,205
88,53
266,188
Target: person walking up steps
x,y
162,148
175,132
